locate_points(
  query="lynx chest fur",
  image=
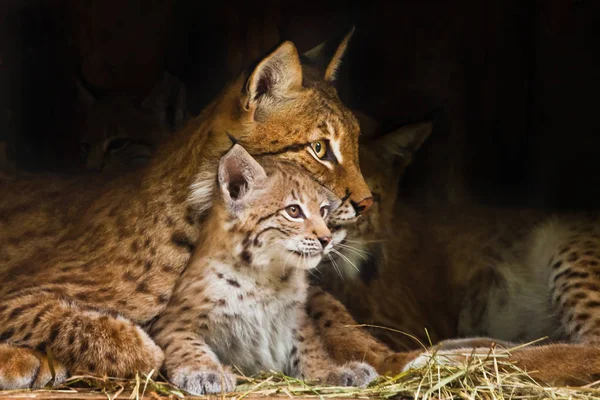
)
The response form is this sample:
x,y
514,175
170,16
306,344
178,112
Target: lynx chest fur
x,y
253,328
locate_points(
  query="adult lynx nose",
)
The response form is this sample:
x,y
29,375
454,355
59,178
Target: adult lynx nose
x,y
362,206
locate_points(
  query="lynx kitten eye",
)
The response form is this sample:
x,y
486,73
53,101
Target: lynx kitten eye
x,y
324,211
320,148
294,211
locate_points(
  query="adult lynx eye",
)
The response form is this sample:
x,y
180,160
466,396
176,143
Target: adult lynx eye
x,y
320,148
293,211
324,210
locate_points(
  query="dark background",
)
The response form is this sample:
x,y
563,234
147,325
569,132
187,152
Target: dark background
x,y
513,85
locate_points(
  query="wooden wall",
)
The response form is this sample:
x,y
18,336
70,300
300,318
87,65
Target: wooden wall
x,y
513,85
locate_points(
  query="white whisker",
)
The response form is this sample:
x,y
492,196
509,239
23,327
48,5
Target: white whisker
x,y
366,241
358,252
346,259
334,265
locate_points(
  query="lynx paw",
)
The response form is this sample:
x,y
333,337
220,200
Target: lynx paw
x,y
453,357
23,368
352,374
203,381
107,346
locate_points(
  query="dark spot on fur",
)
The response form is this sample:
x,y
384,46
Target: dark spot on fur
x,y
327,323
233,283
246,256
147,266
577,274
557,265
39,315
573,257
222,302
560,275
317,315
180,239
129,276
592,304
15,312
142,287
583,317
163,298
135,246
7,334
564,250
54,332
220,275
168,269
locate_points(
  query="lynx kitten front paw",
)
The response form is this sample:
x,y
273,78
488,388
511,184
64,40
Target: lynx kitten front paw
x,y
204,381
352,374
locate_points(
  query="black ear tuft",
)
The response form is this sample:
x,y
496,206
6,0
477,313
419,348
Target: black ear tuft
x,y
327,56
234,141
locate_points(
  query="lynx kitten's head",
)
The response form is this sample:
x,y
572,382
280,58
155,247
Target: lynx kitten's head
x,y
278,207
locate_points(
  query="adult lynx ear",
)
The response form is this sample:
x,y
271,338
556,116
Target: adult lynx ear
x,y
321,57
238,174
167,101
83,94
402,143
274,78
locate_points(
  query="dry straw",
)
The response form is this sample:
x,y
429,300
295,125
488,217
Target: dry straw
x,y
481,376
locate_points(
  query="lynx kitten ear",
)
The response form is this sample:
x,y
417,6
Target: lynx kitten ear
x,y
275,77
321,57
238,174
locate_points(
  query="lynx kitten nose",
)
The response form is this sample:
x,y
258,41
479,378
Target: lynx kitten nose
x,y
325,240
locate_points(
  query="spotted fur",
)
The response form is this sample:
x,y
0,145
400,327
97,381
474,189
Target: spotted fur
x,y
479,274
241,301
85,264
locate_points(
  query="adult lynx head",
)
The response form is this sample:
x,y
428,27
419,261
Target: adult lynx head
x,y
121,131
291,111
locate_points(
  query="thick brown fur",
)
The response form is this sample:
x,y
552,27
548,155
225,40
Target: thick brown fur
x,y
470,275
241,301
85,265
